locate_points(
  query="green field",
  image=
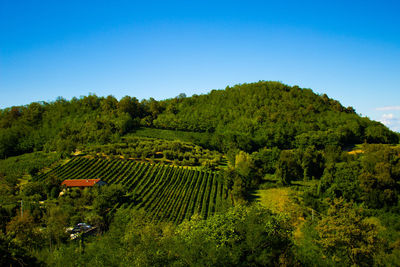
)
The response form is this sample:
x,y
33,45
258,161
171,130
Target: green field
x,y
165,192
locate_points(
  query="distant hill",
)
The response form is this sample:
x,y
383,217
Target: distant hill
x,y
246,116
250,116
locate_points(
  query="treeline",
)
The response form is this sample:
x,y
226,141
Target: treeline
x,y
62,125
247,117
371,177
242,236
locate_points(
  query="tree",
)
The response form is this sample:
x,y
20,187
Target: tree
x,y
312,163
243,236
109,104
129,105
56,221
380,176
346,237
288,168
8,142
14,255
340,180
106,198
265,160
377,133
244,166
53,183
24,231
238,189
35,188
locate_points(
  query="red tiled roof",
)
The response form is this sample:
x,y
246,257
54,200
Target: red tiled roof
x,y
80,182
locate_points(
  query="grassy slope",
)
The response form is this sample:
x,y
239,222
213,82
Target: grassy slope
x,y
286,201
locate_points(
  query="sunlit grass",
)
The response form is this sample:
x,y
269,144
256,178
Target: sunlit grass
x,y
286,201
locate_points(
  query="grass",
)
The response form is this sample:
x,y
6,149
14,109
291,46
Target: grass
x,y
354,149
286,201
278,200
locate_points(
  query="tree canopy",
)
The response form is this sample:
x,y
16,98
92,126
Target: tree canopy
x,y
246,116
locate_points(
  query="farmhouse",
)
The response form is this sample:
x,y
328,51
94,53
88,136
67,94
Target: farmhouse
x,y
82,183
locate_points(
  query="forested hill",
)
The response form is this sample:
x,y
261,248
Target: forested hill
x,y
246,116
270,114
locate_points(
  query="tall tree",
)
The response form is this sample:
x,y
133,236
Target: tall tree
x,y
346,237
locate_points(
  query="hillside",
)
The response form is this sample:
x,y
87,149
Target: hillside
x,y
259,174
247,116
251,116
164,192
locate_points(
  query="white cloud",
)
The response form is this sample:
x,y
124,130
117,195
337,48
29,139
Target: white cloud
x,y
388,108
387,119
391,121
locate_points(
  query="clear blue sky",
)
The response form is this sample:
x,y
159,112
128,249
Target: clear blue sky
x,y
349,50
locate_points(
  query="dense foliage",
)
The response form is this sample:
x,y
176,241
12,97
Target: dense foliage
x,y
61,125
240,237
251,116
372,178
182,177
247,116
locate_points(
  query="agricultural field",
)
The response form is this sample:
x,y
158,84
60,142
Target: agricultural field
x,y
158,150
172,135
167,193
27,164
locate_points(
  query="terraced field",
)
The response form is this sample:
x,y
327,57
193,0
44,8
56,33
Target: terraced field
x,y
165,192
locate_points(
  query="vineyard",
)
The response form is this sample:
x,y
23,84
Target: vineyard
x,y
165,192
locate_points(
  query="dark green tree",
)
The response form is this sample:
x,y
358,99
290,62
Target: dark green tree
x,y
288,168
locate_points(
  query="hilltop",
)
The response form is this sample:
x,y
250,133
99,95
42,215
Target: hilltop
x,y
254,115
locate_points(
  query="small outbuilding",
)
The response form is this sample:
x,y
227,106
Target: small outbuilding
x,y
82,183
